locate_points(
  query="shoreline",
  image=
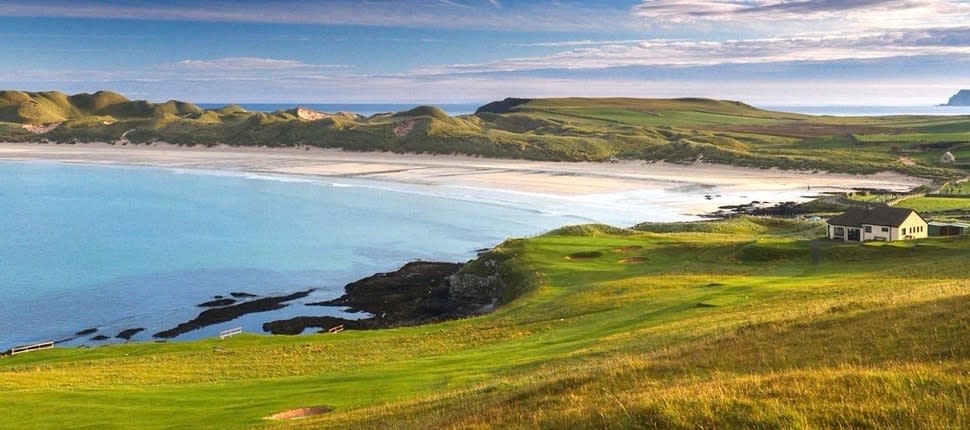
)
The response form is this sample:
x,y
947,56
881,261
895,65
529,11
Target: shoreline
x,y
576,184
679,187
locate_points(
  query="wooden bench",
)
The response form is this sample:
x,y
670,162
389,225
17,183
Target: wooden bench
x,y
31,348
336,329
231,332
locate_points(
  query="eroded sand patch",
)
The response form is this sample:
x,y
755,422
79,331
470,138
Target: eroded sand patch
x,y
633,260
297,413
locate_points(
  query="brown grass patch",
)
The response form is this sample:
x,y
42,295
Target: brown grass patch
x,y
293,414
633,260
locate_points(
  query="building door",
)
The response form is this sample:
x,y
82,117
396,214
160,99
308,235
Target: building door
x,y
854,234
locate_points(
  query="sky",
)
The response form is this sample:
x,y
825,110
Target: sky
x,y
769,52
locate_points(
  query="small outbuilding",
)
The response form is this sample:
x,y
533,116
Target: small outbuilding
x,y
948,228
884,223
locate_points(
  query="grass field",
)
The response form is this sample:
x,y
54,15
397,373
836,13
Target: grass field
x,y
734,324
957,188
936,204
564,129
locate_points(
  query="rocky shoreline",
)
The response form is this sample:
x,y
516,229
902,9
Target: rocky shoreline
x,y
418,293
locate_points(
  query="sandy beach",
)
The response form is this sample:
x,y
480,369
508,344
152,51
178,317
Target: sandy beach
x,y
564,179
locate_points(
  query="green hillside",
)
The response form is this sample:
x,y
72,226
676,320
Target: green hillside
x,y
745,323
568,129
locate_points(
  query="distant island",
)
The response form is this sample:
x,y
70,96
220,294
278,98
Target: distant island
x,y
961,98
684,130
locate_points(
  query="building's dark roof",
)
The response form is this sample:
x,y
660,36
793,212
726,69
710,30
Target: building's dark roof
x,y
856,217
950,224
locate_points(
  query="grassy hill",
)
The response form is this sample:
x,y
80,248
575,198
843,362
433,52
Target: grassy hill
x,y
568,129
745,323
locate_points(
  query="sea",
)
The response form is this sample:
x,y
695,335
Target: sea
x,y
115,247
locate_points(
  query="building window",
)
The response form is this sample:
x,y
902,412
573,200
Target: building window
x,y
868,229
839,231
904,231
885,229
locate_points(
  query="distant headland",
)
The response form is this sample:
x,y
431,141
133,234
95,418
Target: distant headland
x,y
961,98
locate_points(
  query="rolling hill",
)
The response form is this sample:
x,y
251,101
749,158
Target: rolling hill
x,y
568,129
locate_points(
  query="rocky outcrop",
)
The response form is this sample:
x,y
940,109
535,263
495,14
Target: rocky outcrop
x,y
472,288
962,98
418,293
127,333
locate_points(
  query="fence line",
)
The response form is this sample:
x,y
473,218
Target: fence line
x,y
336,329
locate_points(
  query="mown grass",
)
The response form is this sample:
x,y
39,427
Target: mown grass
x,y
723,324
936,204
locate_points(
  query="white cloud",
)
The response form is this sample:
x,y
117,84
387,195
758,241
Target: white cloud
x,y
663,52
867,13
248,63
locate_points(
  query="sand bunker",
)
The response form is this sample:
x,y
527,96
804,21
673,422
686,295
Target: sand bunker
x,y
585,255
629,248
633,260
300,413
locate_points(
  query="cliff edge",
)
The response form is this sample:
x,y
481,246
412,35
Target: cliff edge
x,y
961,98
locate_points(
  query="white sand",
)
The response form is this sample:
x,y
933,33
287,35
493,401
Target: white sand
x,y
686,184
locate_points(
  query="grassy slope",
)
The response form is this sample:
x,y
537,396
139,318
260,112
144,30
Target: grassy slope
x,y
679,130
936,204
723,325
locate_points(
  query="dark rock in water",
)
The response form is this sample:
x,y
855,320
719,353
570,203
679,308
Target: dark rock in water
x,y
300,324
217,303
759,208
220,315
86,332
100,338
218,297
126,334
240,295
961,98
417,293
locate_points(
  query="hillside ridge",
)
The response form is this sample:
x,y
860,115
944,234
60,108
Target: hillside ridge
x,y
681,130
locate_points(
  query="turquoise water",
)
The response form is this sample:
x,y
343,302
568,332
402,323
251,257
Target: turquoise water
x,y
112,247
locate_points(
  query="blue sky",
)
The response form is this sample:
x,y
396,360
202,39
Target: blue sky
x,y
904,52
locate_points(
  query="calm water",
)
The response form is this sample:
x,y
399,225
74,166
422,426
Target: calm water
x,y
123,247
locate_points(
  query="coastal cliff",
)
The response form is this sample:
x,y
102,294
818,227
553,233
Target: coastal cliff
x,y
961,98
